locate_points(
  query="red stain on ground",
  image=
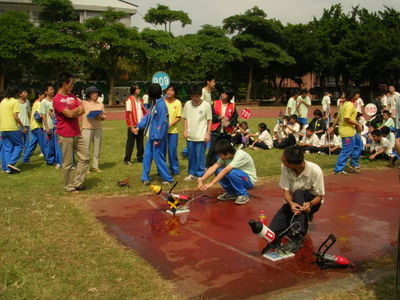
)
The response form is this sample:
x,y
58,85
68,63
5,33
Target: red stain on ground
x,y
211,251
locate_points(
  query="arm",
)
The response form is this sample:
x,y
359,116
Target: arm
x,y
208,133
380,151
177,119
185,131
16,118
217,178
307,205
210,171
296,208
73,113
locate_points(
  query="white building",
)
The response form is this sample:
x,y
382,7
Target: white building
x,y
84,8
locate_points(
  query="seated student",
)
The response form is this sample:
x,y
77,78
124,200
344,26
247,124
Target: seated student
x,y
279,134
291,132
263,139
241,135
380,146
303,188
310,141
387,121
235,171
329,143
318,124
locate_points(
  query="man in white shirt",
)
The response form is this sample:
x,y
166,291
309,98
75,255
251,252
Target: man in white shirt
x,y
206,91
380,146
393,97
291,104
310,141
359,104
326,102
235,171
303,188
329,143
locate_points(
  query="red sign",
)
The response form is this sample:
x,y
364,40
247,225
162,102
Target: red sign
x,y
371,109
245,113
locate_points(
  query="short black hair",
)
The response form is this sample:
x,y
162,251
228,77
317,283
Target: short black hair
x,y
174,88
229,92
385,130
196,90
318,113
386,112
46,87
133,89
294,92
262,126
294,155
294,117
350,93
310,129
376,132
224,147
64,77
209,77
21,90
154,91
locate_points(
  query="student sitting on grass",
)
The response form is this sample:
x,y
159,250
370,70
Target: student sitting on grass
x,y
291,132
380,146
388,121
280,133
263,138
329,143
318,124
241,135
309,143
235,171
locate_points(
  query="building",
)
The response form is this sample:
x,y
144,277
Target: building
x,y
84,8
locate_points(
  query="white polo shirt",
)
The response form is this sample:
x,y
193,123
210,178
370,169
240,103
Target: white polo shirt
x,y
385,144
313,140
311,179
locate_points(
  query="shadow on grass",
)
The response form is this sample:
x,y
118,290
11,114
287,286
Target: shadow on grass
x,y
107,165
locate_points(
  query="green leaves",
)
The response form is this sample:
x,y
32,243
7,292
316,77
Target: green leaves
x,y
163,15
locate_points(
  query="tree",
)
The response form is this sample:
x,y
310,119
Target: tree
x,y
163,15
112,47
257,39
55,11
15,45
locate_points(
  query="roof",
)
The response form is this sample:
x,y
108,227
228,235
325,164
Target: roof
x,y
102,5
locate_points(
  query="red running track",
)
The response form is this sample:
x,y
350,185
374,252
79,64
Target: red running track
x,y
212,253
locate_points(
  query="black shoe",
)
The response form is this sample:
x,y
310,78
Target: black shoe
x,y
139,160
270,246
293,245
13,169
81,188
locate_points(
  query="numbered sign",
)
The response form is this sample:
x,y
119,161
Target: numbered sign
x,y
245,113
162,79
371,109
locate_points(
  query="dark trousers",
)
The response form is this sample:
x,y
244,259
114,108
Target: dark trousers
x,y
326,150
282,218
310,148
211,155
286,142
130,143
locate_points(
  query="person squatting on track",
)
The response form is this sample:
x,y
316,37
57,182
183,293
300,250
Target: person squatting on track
x,y
235,171
303,188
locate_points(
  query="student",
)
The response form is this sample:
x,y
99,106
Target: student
x,y
359,104
207,89
310,141
291,105
384,100
68,108
279,132
329,143
224,120
50,138
393,98
241,135
24,115
326,103
303,102
175,115
197,116
380,146
10,124
263,139
303,188
291,132
135,111
317,123
341,99
92,129
388,121
235,171
36,128
155,124
390,136
351,142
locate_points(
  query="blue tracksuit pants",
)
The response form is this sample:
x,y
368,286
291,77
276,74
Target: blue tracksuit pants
x,y
2,157
52,153
236,182
25,138
37,137
12,147
157,153
197,158
172,146
351,147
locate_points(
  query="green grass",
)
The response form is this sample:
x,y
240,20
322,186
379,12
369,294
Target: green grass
x,y
52,246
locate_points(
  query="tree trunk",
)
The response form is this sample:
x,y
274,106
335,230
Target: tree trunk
x,y
249,84
169,25
165,27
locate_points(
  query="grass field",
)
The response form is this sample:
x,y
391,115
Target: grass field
x,y
52,246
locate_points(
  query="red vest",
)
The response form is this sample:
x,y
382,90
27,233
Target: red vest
x,y
133,112
230,110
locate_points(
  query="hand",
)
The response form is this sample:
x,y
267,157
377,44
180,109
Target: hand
x,y
136,131
133,130
207,138
358,127
156,143
296,208
185,134
306,207
372,157
330,129
48,132
200,184
205,187
24,130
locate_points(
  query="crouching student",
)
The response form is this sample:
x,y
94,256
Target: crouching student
x,y
329,143
380,147
310,141
235,171
156,122
303,188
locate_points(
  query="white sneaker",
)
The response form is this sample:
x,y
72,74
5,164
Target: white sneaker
x,y
242,200
57,166
241,146
307,152
190,178
226,196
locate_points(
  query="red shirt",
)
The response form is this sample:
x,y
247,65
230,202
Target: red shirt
x,y
66,127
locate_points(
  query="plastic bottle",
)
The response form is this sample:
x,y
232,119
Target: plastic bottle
x,y
262,231
263,218
340,260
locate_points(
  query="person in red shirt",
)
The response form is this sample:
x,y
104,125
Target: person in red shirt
x,y
68,108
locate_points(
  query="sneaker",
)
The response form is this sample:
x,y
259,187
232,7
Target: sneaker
x,y
146,182
57,166
242,200
71,190
307,152
81,188
166,182
190,178
352,169
97,170
226,196
13,168
41,155
241,146
341,173
293,245
321,153
127,163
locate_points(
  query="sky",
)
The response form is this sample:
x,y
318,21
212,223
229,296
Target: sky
x,y
214,11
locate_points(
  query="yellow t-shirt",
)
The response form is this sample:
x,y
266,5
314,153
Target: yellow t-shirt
x,y
347,110
174,111
8,107
35,124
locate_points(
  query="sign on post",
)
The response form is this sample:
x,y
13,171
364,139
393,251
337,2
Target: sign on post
x,y
162,79
371,109
245,113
